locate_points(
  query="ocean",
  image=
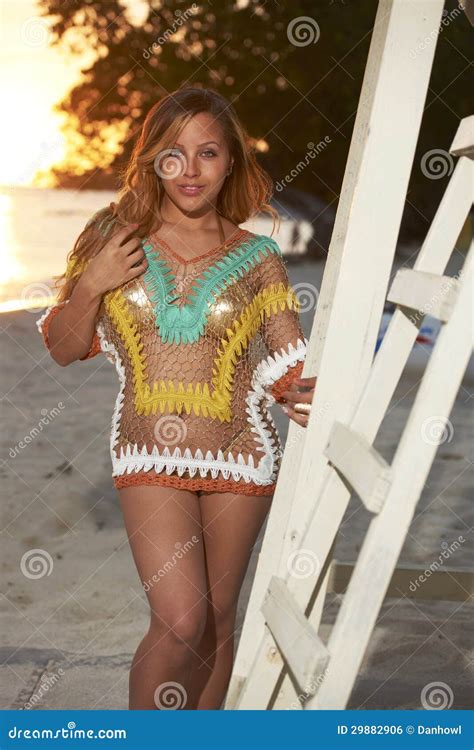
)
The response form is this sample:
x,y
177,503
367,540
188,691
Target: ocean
x,y
39,227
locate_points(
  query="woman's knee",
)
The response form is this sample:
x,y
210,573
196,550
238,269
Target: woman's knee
x,y
179,627
221,618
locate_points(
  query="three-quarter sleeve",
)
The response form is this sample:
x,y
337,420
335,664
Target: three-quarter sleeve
x,y
282,331
43,323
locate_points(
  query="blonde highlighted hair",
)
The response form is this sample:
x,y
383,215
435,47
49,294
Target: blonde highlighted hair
x,y
245,192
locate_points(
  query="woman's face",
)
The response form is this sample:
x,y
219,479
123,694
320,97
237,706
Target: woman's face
x,y
194,170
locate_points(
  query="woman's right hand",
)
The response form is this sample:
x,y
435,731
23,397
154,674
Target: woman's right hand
x,y
114,264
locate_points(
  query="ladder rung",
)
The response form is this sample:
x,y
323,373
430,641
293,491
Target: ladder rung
x,y
430,293
463,144
360,464
300,646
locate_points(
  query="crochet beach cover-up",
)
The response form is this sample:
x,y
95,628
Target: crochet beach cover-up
x,y
202,348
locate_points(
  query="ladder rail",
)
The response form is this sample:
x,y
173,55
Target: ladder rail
x,y
384,376
387,531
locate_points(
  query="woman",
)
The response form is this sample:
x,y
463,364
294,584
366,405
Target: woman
x,y
202,325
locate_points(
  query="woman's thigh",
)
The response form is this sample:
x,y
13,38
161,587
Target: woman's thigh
x,y
231,525
164,528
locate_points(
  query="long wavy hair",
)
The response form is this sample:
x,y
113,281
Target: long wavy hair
x,y
245,192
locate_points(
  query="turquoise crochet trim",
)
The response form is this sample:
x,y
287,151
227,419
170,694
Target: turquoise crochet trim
x,y
103,226
186,324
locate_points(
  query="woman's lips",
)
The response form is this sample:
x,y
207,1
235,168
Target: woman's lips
x,y
195,190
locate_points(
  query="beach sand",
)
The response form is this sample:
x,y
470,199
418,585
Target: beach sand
x,y
75,629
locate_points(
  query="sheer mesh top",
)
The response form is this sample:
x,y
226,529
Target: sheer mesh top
x,y
201,348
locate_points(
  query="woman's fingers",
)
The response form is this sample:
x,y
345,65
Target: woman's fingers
x,y
294,394
298,397
136,270
301,419
306,382
131,245
123,233
136,256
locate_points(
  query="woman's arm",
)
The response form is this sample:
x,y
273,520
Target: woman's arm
x,y
69,328
281,330
284,338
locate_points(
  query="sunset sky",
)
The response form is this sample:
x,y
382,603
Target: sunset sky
x,y
33,78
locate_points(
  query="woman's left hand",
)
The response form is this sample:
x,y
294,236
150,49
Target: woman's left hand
x,y
295,396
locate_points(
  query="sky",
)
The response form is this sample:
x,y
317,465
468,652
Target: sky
x,y
33,77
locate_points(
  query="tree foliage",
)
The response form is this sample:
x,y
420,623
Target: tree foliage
x,y
288,91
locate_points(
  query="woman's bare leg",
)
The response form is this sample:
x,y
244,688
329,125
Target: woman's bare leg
x,y
231,524
165,533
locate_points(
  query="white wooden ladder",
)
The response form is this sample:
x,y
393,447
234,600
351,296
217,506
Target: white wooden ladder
x,y
282,661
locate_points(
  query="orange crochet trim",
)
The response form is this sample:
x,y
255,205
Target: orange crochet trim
x,y
284,382
95,346
210,485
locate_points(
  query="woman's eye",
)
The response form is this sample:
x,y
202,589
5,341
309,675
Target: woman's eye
x,y
209,152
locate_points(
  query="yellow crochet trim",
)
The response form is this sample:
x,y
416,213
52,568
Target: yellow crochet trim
x,y
197,396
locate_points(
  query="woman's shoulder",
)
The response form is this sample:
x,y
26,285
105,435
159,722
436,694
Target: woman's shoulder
x,y
270,245
102,220
266,239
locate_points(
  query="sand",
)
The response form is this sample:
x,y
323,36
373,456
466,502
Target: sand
x,y
76,629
